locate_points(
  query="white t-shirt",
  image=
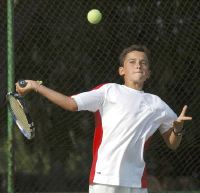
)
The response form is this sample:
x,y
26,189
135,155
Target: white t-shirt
x,y
126,119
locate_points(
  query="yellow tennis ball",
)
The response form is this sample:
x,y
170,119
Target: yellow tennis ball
x,y
94,16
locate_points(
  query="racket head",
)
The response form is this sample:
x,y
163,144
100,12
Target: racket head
x,y
20,114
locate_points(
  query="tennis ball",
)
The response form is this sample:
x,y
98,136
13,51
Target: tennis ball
x,y
94,16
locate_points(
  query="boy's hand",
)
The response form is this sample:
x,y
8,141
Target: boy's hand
x,y
178,124
31,86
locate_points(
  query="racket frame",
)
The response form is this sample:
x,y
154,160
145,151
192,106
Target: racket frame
x,y
21,101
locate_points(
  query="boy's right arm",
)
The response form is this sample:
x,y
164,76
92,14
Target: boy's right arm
x,y
57,98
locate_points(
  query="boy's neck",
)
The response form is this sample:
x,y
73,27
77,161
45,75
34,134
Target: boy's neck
x,y
136,86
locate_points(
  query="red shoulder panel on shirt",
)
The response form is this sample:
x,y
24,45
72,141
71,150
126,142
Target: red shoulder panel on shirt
x,y
99,86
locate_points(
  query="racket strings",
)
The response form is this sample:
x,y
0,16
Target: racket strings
x,y
19,114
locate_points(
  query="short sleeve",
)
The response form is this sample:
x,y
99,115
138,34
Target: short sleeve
x,y
91,100
168,119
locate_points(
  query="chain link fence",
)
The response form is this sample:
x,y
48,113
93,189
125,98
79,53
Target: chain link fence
x,y
55,43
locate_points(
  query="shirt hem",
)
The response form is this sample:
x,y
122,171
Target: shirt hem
x,y
116,182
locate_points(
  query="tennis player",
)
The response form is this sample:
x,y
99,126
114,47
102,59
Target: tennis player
x,y
126,118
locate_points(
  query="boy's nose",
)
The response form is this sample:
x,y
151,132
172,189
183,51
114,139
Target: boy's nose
x,y
138,66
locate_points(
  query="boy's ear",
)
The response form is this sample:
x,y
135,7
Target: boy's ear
x,y
149,74
121,71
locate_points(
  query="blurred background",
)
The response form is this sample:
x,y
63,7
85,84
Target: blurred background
x,y
54,42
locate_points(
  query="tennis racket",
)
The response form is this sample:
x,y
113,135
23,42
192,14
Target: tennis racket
x,y
20,113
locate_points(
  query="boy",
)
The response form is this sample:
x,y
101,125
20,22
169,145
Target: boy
x,y
126,118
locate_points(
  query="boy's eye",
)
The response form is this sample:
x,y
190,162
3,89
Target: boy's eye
x,y
144,63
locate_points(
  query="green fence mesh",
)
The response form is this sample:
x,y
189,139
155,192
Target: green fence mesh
x,y
55,43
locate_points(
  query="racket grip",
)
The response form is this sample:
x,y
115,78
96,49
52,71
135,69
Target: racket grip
x,y
22,83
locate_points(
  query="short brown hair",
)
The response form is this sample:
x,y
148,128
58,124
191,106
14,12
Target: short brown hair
x,y
134,47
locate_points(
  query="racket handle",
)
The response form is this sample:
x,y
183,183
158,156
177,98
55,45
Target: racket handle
x,y
22,83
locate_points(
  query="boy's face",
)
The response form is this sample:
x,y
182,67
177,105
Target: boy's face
x,y
135,68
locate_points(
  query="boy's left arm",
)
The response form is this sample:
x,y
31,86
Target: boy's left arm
x,y
173,136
